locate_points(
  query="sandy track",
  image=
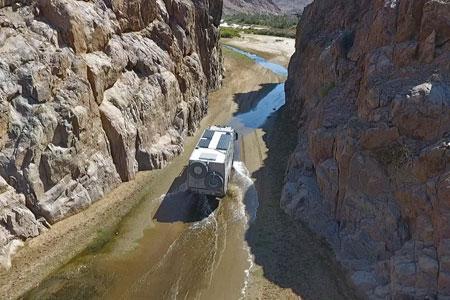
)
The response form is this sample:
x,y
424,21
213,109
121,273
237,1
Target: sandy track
x,y
253,150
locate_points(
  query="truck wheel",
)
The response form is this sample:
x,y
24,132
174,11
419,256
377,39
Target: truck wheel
x,y
214,180
198,170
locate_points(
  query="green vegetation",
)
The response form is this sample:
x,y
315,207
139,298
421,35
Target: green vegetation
x,y
283,25
272,21
226,32
289,33
229,33
326,89
396,155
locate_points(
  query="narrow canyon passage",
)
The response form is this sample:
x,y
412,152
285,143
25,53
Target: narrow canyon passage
x,y
112,117
243,247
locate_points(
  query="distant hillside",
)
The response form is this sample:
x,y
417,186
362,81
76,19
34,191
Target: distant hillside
x,y
264,6
231,7
288,6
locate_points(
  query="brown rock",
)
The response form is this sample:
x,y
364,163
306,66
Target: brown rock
x,y
100,73
444,283
90,93
83,26
388,119
121,136
432,160
427,48
379,136
328,180
321,145
443,190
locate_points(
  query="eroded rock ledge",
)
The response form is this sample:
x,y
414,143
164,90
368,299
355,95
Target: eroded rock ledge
x,y
91,92
370,83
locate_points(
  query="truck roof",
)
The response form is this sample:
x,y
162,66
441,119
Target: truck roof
x,y
213,144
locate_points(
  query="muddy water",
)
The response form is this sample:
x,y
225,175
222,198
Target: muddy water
x,y
205,257
179,246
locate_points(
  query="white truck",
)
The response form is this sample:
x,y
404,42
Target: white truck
x,y
211,162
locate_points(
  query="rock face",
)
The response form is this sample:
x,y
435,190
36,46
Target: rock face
x,y
231,7
369,86
292,6
91,92
264,6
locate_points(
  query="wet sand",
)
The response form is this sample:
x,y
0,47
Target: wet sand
x,y
276,49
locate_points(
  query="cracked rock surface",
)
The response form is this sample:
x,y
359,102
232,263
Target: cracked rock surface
x,y
92,92
369,86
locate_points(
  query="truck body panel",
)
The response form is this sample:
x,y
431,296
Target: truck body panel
x,y
211,162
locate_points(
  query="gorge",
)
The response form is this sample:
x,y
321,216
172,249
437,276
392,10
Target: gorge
x,y
342,191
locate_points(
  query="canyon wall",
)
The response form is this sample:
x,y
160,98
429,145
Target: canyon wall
x,y
92,92
369,87
271,7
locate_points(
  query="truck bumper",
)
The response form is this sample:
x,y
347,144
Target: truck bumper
x,y
220,193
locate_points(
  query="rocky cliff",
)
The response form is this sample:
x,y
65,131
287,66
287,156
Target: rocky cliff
x,y
274,7
231,7
369,86
292,6
92,92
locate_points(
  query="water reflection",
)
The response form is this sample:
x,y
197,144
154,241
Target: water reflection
x,y
276,68
264,109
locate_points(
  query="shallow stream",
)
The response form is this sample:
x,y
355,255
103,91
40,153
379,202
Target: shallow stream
x,y
176,247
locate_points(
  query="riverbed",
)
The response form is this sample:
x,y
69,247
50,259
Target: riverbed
x,y
188,248
173,246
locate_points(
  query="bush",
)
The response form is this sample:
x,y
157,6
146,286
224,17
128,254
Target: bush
x,y
229,33
273,21
396,155
288,33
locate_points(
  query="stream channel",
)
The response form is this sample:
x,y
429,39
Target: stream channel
x,y
187,249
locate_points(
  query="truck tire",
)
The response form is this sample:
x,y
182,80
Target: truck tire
x,y
214,180
198,170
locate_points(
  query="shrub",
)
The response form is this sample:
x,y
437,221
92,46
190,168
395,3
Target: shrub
x,y
229,33
289,33
396,155
273,21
